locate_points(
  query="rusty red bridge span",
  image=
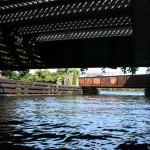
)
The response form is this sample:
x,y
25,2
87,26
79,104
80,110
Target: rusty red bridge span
x,y
125,81
90,84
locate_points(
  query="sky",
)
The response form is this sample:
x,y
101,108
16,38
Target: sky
x,y
142,70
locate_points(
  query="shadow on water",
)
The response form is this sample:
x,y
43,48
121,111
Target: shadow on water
x,y
2,91
11,146
133,146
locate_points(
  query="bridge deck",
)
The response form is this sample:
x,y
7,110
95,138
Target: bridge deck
x,y
74,33
128,81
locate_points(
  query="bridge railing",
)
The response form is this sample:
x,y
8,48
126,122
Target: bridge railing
x,y
22,88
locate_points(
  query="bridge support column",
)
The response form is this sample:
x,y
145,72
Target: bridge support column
x,y
90,90
147,92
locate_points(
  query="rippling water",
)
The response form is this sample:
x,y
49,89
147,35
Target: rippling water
x,y
118,121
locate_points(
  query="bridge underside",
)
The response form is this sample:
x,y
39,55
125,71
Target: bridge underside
x,y
74,33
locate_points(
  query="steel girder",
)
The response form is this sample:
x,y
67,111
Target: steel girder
x,y
74,33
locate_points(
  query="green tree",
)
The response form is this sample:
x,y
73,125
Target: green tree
x,y
103,70
27,77
42,75
10,74
54,77
62,73
131,70
23,72
125,70
76,74
148,70
83,70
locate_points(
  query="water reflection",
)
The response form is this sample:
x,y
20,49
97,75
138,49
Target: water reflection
x,y
87,122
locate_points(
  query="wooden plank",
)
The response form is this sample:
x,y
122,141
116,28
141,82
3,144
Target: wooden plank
x,y
18,88
26,91
77,90
33,91
14,95
24,82
5,85
9,81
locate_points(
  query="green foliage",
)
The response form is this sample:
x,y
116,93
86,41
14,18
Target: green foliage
x,y
23,72
148,70
10,74
125,70
69,93
103,70
27,77
43,75
61,73
83,70
123,89
54,77
76,74
131,70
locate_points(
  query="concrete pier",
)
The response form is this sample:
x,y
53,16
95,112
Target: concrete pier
x,y
147,92
90,90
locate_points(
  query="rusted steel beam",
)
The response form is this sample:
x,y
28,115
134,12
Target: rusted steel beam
x,y
127,81
54,11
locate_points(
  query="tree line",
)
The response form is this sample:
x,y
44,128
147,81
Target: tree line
x,y
43,75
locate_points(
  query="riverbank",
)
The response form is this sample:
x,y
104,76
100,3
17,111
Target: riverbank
x,y
123,89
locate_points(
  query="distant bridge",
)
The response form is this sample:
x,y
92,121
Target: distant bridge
x,y
126,81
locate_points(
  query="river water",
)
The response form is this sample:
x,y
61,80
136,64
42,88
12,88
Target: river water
x,y
112,120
